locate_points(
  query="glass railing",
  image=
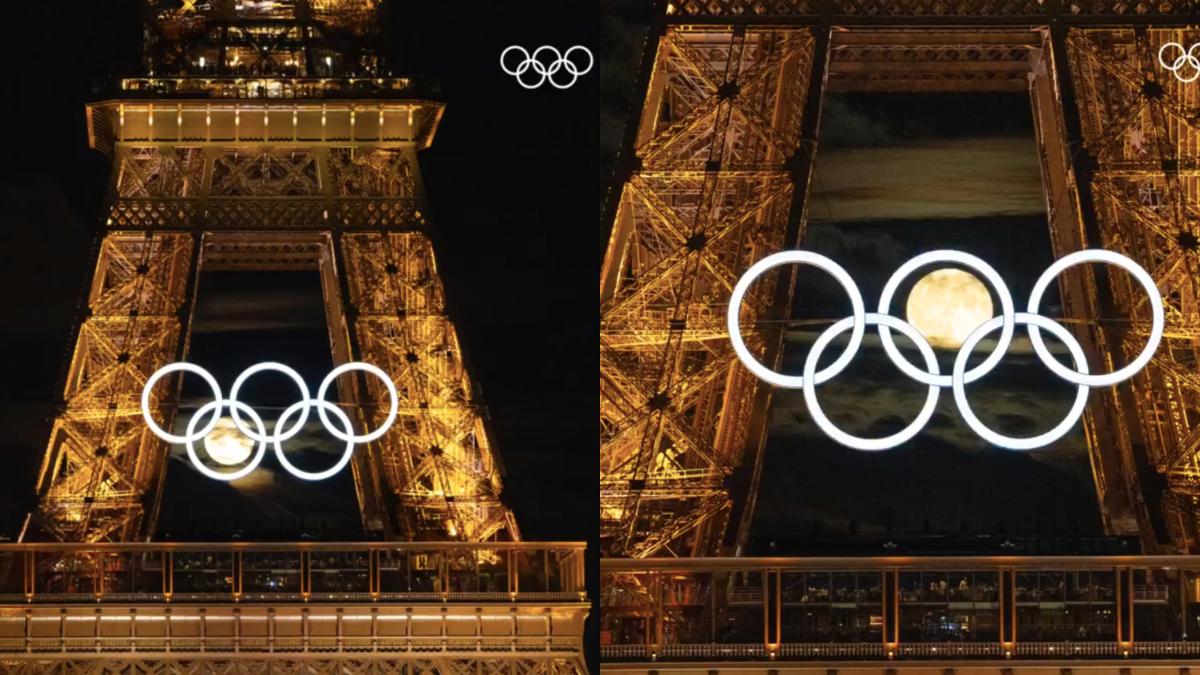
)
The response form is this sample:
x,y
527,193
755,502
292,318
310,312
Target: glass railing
x,y
291,572
894,608
278,87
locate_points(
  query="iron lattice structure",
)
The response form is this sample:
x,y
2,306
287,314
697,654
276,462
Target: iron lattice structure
x,y
266,136
716,177
712,195
1141,140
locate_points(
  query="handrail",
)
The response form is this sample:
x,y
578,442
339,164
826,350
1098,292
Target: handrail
x,y
422,547
292,572
1058,562
900,607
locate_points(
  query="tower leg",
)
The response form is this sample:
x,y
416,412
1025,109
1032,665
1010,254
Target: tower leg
x,y
102,466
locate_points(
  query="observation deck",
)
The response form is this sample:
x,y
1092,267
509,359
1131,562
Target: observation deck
x,y
989,614
392,601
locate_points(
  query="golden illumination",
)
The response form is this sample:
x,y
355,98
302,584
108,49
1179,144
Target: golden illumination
x,y
946,305
226,445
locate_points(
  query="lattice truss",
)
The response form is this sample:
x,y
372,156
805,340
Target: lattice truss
x,y
711,196
101,460
438,458
686,602
277,172
355,173
249,664
189,186
161,172
1141,128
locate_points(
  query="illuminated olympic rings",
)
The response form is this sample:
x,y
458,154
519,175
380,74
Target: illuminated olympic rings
x,y
544,72
1186,57
959,376
258,432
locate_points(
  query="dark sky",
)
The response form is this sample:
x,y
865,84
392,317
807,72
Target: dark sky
x,y
243,318
512,177
899,175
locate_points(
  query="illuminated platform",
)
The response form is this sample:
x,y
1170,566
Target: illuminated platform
x,y
292,607
873,615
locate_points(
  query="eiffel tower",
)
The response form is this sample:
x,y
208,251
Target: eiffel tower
x,y
268,135
716,176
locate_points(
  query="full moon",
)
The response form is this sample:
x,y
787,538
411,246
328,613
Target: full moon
x,y
226,445
946,305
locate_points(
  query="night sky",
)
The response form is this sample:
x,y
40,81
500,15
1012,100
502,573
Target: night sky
x,y
243,318
512,178
899,175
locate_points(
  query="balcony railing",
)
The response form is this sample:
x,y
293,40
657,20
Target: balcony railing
x,y
278,87
291,572
900,608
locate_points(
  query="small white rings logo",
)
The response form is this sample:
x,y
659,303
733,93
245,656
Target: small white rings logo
x,y
1186,58
543,72
282,431
960,376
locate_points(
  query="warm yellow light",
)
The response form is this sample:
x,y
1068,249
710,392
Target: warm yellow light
x,y
946,305
226,445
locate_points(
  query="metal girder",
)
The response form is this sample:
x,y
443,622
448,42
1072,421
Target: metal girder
x,y
712,193
1138,127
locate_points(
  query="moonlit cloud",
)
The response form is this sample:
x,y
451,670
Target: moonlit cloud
x,y
929,179
259,310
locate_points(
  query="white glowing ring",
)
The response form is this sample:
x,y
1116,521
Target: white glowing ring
x,y
827,425
1157,324
192,436
966,260
321,405
392,395
1010,442
258,368
181,366
805,258
1185,57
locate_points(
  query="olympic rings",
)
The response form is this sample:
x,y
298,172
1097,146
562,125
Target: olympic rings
x,y
533,62
259,434
959,376
1187,57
